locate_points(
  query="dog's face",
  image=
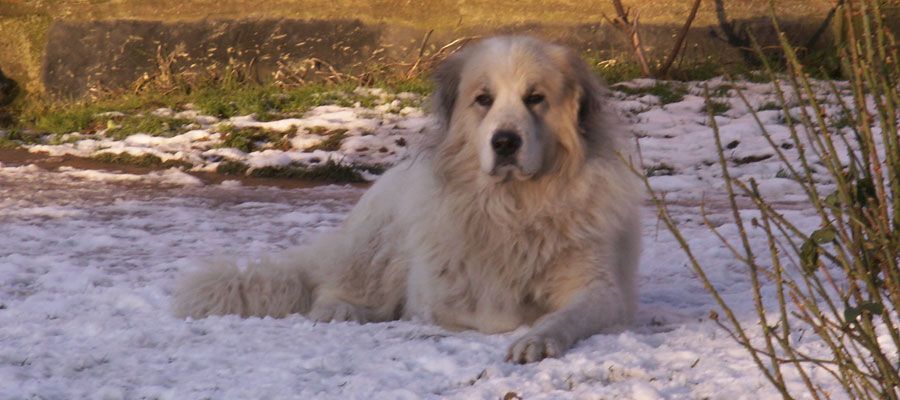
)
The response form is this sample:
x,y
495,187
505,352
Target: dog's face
x,y
517,103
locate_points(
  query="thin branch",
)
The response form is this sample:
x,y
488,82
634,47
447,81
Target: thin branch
x,y
679,41
823,27
630,27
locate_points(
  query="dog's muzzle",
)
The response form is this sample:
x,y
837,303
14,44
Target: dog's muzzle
x,y
506,144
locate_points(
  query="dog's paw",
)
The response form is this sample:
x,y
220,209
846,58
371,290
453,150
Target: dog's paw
x,y
337,311
535,346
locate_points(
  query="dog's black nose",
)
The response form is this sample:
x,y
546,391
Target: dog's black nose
x,y
506,143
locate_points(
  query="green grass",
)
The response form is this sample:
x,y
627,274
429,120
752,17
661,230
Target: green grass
x,y
219,99
666,92
418,85
785,174
697,71
614,71
267,102
16,137
62,138
329,172
721,90
662,169
77,118
755,76
771,105
143,160
718,107
149,124
842,120
332,142
252,138
8,144
232,168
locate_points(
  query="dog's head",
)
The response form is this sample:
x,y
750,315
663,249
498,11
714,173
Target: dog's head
x,y
523,107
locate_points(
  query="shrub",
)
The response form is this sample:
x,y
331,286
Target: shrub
x,y
841,281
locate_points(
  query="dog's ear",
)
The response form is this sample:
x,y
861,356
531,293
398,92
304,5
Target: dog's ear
x,y
591,94
446,78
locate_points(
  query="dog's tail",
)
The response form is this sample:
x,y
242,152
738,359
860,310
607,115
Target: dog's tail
x,y
273,287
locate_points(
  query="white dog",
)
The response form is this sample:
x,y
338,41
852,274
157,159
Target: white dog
x,y
517,210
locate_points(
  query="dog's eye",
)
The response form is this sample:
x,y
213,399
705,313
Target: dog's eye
x,y
534,98
484,100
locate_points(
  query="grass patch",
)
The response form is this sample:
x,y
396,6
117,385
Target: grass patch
x,y
59,117
15,138
232,168
662,169
6,144
419,85
697,71
317,130
330,172
79,118
64,138
143,160
842,120
149,124
718,107
756,76
252,138
376,169
230,100
771,105
614,71
219,99
721,90
751,159
785,174
332,142
267,102
666,92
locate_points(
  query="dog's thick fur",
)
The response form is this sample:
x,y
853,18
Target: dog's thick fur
x,y
453,236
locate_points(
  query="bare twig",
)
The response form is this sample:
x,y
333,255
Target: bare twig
x,y
628,25
679,41
824,26
412,70
734,34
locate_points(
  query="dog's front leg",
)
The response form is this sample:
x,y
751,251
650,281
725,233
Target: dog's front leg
x,y
595,308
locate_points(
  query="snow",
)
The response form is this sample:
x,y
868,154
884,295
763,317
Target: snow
x,y
89,259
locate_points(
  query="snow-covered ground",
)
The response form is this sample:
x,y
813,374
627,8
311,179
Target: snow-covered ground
x,y
88,261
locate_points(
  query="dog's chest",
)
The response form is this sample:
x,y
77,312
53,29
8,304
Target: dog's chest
x,y
484,277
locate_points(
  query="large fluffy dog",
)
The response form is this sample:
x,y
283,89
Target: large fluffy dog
x,y
518,210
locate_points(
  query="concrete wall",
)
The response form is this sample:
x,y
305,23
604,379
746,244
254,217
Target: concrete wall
x,y
114,54
66,48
